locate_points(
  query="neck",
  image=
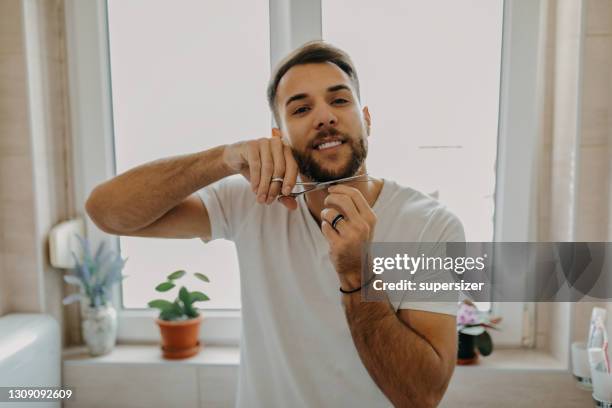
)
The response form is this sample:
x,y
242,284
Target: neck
x,y
370,190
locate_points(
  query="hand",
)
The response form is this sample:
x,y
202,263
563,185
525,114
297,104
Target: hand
x,y
347,240
261,160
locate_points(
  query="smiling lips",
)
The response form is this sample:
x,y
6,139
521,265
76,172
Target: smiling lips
x,y
329,145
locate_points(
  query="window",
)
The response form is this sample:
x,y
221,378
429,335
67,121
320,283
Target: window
x,y
184,80
159,52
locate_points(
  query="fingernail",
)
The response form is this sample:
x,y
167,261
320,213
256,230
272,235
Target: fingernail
x,y
261,198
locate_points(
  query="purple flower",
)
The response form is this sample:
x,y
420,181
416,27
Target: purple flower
x,y
467,314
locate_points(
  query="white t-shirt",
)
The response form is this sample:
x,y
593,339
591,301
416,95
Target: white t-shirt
x,y
296,348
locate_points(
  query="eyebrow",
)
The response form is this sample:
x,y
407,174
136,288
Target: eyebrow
x,y
334,88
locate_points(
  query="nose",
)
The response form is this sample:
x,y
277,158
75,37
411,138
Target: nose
x,y
324,117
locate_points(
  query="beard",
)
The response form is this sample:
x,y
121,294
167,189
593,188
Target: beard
x,y
310,168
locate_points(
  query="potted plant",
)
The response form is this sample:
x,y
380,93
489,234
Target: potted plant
x,y
179,321
472,326
95,275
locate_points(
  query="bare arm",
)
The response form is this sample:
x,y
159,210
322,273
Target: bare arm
x,y
411,355
158,199
136,199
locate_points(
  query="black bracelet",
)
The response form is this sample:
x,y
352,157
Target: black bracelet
x,y
358,289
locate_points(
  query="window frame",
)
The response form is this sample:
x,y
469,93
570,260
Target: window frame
x,y
292,22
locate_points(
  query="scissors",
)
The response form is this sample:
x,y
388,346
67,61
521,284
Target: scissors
x,y
314,185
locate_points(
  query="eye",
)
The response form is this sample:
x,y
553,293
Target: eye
x,y
300,110
340,101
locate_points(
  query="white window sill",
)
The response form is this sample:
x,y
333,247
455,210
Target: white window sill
x,y
503,359
147,354
151,354
520,359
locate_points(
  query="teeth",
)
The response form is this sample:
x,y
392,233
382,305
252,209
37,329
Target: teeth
x,y
328,144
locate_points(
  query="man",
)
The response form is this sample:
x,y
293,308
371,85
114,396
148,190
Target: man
x,y
304,342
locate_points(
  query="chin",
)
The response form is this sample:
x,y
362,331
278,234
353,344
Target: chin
x,y
334,172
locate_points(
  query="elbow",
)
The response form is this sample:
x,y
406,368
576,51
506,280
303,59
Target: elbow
x,y
424,394
434,393
425,399
97,212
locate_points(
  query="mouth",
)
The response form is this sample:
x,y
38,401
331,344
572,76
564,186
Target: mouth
x,y
328,143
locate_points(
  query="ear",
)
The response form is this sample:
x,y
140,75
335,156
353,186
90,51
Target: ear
x,y
368,118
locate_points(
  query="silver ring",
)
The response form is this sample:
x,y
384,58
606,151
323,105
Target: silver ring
x,y
278,179
336,220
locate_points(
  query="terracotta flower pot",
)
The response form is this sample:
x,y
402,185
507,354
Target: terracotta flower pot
x,y
179,339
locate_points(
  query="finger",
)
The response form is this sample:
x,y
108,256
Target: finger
x,y
288,202
344,204
267,166
254,164
330,234
358,199
291,171
328,214
276,146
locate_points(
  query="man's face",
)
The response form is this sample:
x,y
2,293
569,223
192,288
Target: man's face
x,y
322,120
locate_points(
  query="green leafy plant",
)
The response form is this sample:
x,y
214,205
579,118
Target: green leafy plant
x,y
183,306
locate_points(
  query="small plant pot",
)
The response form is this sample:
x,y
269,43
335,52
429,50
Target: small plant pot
x,y
466,350
179,339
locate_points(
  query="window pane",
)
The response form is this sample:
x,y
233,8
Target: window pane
x,y
430,74
186,76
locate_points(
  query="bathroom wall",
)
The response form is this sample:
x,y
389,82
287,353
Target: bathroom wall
x,y
595,194
594,200
16,228
575,164
35,184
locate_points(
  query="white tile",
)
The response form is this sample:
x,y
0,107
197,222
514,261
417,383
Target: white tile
x,y
593,199
218,385
11,30
16,178
22,281
597,83
599,16
131,386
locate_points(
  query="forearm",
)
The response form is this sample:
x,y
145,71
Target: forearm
x,y
138,197
404,365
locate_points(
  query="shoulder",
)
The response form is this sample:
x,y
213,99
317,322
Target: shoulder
x,y
423,213
231,187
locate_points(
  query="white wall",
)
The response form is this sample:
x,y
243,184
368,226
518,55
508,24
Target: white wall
x,y
34,170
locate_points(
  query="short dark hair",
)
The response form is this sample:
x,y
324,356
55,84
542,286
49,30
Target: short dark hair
x,y
310,53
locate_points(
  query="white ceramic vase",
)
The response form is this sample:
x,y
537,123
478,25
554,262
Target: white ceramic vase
x,y
100,329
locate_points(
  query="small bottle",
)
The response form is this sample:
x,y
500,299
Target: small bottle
x,y
598,318
597,359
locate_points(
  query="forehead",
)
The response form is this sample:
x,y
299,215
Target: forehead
x,y
311,79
